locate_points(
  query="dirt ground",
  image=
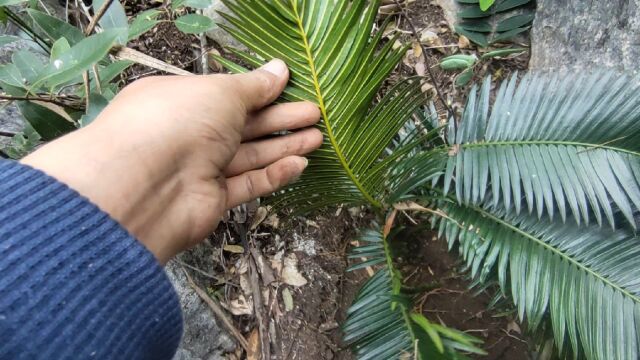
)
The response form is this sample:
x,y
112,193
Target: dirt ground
x,y
302,322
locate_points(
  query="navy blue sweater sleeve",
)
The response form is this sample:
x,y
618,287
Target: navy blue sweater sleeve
x,y
73,283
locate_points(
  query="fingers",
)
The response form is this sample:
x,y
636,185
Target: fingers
x,y
261,87
253,184
258,154
289,116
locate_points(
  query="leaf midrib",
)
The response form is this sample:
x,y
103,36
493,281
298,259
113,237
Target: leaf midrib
x,y
558,252
323,110
547,142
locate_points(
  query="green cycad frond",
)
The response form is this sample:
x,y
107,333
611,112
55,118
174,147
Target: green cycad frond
x,y
558,141
380,323
337,64
585,278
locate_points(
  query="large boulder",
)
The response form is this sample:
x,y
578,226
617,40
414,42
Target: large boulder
x,y
217,34
586,34
203,339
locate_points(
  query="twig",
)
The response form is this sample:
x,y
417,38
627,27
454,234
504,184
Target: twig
x,y
125,53
203,52
60,101
87,87
427,62
7,134
99,14
218,311
263,327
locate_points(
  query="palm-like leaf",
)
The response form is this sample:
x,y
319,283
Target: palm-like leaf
x,y
562,143
380,323
336,64
586,278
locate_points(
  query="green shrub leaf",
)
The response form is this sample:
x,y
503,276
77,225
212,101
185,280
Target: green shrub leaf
x,y
58,48
194,23
10,74
79,58
486,4
143,22
114,18
502,52
49,124
29,64
7,39
55,28
457,62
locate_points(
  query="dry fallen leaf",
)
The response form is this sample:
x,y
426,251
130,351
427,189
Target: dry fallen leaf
x,y
463,42
417,50
241,306
432,39
259,217
236,249
254,345
287,298
421,68
513,326
290,273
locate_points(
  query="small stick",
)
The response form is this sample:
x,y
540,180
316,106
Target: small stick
x,y
99,14
125,53
263,328
426,60
218,311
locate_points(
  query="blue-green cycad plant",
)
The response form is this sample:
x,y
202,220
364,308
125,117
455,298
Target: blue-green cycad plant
x,y
539,189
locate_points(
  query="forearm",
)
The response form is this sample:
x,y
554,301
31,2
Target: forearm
x,y
74,283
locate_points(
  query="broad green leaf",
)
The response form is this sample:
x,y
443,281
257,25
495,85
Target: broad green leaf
x,y
477,37
502,52
486,4
10,74
143,22
97,103
60,47
114,18
194,23
457,62
473,12
55,28
176,4
510,4
8,39
79,58
197,4
514,22
114,69
11,2
47,123
481,26
508,34
464,78
29,64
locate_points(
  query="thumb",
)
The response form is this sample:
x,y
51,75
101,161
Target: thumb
x,y
262,86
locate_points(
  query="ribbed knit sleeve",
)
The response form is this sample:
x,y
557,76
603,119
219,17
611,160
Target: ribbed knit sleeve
x,y
73,283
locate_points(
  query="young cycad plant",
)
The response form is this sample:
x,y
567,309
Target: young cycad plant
x,y
540,190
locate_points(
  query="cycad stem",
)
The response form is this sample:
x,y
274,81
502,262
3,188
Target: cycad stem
x,y
323,110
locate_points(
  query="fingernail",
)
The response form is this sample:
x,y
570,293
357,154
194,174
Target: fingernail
x,y
306,163
276,66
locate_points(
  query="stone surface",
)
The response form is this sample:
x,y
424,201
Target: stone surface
x,y
218,34
203,339
586,34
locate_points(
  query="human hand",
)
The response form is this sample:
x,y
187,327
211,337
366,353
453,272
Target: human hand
x,y
170,155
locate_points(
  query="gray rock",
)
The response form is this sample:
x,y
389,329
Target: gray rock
x,y
586,34
203,339
218,34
